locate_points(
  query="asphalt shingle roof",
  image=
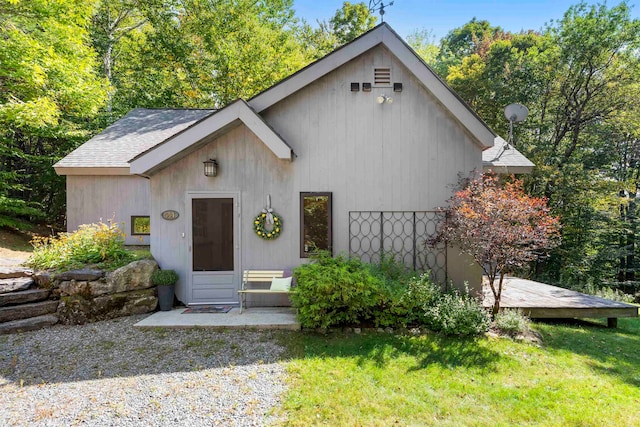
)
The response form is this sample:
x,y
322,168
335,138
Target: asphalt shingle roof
x,y
498,156
138,131
143,128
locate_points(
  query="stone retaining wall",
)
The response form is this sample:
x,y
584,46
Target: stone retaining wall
x,y
91,295
31,300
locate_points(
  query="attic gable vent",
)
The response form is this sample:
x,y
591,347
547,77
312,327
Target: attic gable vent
x,y
382,76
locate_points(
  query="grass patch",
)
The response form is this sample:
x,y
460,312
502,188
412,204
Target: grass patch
x,y
14,240
584,375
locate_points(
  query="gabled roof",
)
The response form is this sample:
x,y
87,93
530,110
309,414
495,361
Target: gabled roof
x,y
145,141
109,152
190,139
504,158
381,34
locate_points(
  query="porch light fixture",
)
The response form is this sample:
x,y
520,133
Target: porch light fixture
x,y
355,87
366,87
210,167
384,98
397,87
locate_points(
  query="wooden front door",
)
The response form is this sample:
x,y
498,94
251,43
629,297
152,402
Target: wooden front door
x,y
214,248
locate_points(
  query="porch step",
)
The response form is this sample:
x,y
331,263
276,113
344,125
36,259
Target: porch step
x,y
23,297
15,284
15,272
29,324
25,311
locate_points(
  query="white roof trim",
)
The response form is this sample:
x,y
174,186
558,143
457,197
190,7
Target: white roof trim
x,y
93,170
382,34
178,145
508,170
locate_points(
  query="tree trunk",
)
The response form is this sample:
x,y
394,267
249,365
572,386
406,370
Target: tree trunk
x,y
497,297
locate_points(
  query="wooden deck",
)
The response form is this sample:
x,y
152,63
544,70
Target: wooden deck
x,y
538,301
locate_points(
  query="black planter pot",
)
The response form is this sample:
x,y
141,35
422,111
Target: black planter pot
x,y
165,297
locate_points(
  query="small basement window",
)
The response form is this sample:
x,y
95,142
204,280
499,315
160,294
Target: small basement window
x,y
315,223
382,76
140,225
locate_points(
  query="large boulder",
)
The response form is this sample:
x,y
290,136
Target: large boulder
x,y
76,310
131,277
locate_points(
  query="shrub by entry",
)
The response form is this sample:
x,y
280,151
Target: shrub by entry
x,y
334,291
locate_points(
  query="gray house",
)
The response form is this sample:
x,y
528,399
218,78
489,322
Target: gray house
x,y
354,152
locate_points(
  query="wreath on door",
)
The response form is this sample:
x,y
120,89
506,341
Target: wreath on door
x,y
267,225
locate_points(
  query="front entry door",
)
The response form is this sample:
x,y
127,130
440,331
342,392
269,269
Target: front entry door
x,y
214,249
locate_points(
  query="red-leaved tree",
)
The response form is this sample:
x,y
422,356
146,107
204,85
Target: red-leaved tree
x,y
500,226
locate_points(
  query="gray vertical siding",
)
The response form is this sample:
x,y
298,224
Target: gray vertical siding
x,y
400,156
91,198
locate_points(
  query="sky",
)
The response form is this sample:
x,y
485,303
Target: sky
x,y
440,16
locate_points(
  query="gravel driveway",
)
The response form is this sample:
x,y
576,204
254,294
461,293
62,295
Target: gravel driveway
x,y
111,374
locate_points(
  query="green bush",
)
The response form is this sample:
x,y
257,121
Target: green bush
x,y
393,277
164,278
334,291
609,293
340,291
101,244
403,302
457,314
392,270
511,321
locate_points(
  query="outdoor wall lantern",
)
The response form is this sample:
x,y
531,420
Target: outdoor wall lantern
x,y
210,167
384,98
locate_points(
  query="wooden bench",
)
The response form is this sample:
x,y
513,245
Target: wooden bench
x,y
258,276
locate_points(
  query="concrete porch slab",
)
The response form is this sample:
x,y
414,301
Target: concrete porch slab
x,y
251,318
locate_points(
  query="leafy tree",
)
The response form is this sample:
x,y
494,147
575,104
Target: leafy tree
x,y
351,21
588,87
348,23
500,227
510,70
48,91
579,79
194,53
423,42
111,21
473,38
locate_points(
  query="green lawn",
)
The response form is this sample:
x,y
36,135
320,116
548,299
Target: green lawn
x,y
582,376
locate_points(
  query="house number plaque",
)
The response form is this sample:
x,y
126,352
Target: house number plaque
x,y
170,215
